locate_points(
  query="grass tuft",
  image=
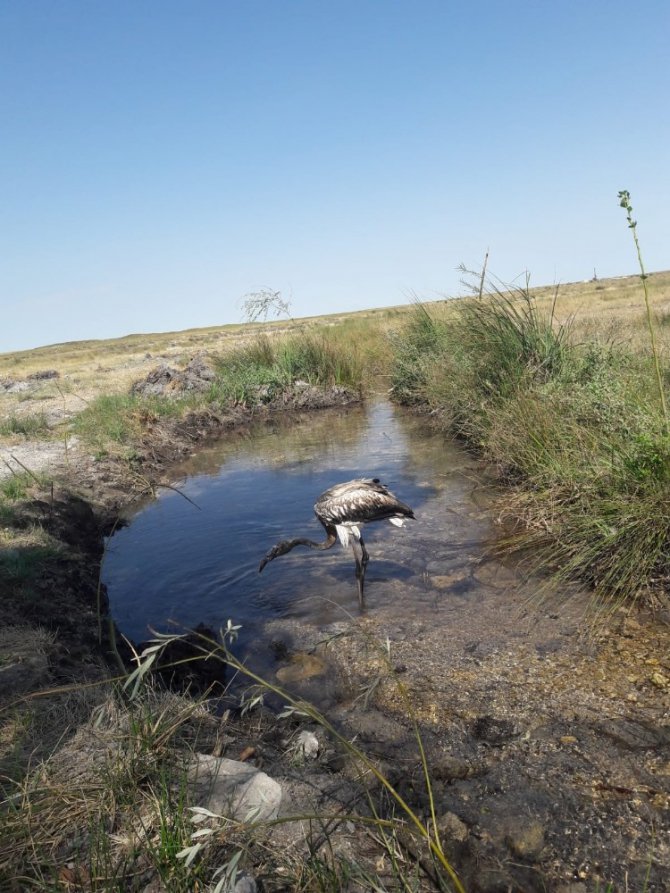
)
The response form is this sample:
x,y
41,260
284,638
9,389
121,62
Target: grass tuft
x,y
266,368
28,425
574,426
120,419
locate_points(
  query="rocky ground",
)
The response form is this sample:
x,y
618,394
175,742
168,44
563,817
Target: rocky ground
x,y
549,749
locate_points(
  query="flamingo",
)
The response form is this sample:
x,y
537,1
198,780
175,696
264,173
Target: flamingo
x,y
342,510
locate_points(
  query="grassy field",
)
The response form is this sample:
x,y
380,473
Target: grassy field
x,y
601,309
47,407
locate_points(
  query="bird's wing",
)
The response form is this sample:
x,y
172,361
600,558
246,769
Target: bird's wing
x,y
359,501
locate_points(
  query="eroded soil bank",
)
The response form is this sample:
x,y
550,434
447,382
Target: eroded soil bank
x,y
549,747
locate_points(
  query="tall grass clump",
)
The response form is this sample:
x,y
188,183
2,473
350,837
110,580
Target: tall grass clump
x,y
418,348
574,427
247,374
511,341
118,420
320,360
266,368
29,425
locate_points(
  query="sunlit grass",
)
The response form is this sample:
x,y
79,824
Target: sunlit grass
x,y
573,424
120,419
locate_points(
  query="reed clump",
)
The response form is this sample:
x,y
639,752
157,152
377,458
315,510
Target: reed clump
x,y
267,367
574,426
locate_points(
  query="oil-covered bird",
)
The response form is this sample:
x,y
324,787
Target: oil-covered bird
x,y
343,509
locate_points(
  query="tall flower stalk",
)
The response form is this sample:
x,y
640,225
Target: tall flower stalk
x,y
624,202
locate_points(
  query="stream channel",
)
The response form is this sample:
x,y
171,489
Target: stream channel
x,y
184,561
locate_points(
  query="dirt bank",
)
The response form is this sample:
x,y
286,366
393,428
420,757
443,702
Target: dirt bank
x,y
549,749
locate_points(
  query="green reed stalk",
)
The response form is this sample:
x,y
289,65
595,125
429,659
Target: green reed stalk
x,y
624,202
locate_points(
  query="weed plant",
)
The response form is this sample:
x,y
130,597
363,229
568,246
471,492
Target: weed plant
x,y
575,427
15,487
114,809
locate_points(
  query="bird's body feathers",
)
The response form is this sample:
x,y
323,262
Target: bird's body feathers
x,y
359,502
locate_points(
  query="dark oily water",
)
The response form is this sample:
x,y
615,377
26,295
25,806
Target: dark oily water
x,y
181,561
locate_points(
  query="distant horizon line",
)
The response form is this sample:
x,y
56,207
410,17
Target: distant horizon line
x,y
344,313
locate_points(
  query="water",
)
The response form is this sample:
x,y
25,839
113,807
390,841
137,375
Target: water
x,y
183,561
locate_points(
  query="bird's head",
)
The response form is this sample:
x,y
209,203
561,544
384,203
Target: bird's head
x,y
280,549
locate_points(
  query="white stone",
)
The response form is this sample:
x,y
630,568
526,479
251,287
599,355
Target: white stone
x,y
235,790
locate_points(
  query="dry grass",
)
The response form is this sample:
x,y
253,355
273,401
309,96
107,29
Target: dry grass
x,y
101,797
608,306
90,368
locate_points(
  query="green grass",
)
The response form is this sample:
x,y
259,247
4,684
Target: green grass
x,y
248,374
17,486
120,419
574,426
252,374
29,425
320,360
266,368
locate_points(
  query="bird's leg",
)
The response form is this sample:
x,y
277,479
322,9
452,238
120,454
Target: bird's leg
x,y
365,557
364,566
362,558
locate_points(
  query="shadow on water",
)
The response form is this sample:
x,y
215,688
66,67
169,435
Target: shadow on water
x,y
181,564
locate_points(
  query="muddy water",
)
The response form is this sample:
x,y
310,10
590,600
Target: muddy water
x,y
182,561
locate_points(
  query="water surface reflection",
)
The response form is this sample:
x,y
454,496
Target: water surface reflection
x,y
186,564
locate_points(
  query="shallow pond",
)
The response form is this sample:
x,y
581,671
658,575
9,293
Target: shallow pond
x,y
182,561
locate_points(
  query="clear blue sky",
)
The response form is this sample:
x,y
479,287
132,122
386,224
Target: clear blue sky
x,y
159,160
